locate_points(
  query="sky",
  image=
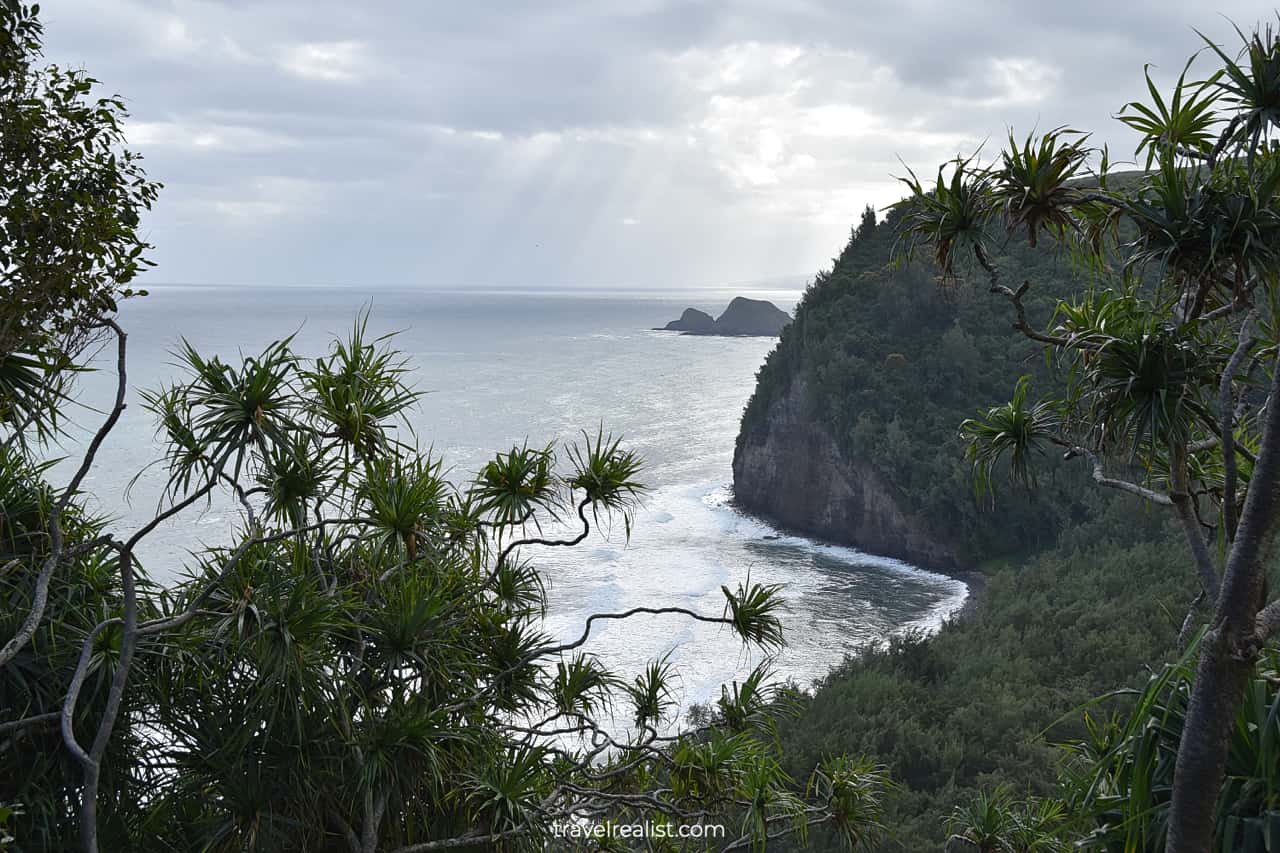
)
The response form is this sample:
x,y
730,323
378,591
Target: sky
x,y
642,144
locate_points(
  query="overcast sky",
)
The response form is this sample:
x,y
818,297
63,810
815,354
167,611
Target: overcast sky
x,y
596,144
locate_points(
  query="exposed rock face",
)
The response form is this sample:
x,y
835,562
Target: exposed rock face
x,y
692,320
743,317
751,317
790,470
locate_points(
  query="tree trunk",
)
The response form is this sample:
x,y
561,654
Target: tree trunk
x,y
1221,674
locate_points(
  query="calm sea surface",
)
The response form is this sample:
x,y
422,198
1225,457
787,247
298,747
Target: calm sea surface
x,y
503,368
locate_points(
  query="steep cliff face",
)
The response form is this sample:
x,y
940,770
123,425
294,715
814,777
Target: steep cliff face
x,y
789,469
853,432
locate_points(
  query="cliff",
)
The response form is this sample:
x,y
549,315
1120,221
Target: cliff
x,y
790,469
852,433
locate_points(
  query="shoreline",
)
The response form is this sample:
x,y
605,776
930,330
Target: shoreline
x,y
975,582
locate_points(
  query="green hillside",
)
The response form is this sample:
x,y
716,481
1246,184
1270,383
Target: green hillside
x,y
1082,588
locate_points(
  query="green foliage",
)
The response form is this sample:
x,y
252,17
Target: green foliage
x,y
1015,429
891,363
366,657
985,701
998,822
951,216
650,692
1033,179
71,197
1186,122
1120,775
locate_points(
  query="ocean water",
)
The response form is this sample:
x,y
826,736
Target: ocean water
x,y
503,368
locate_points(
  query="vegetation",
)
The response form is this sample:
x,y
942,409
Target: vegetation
x,y
70,200
1160,365
362,667
982,705
892,363
1168,362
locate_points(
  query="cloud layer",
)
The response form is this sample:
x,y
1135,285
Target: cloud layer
x,y
556,144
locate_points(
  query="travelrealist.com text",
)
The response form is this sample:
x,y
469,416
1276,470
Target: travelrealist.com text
x,y
647,829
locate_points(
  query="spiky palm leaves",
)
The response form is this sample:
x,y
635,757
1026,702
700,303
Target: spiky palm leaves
x,y
366,659
952,216
1183,124
998,822
1141,354
1251,85
1034,185
1121,775
1017,430
1158,367
33,389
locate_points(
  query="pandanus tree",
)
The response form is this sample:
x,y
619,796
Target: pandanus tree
x,y
362,666
1166,361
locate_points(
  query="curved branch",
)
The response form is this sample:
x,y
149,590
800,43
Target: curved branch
x,y
553,543
40,596
586,631
1015,299
1100,477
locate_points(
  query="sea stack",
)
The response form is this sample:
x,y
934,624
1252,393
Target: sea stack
x,y
692,320
743,317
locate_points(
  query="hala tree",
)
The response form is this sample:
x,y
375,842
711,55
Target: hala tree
x,y
1166,363
362,667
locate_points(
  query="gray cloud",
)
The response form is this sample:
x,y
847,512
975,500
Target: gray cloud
x,y
543,144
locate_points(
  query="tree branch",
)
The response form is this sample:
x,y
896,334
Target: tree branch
x,y
1230,468
40,596
586,631
471,839
1015,299
92,768
1180,493
1102,479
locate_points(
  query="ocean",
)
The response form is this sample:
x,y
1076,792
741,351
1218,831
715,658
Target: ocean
x,y
504,368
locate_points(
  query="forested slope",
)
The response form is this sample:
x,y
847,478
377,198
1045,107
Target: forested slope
x,y
1084,588
880,366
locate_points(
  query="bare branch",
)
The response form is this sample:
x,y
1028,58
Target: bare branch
x,y
1184,509
586,631
92,768
554,543
40,596
1015,299
25,722
1189,621
1102,479
471,839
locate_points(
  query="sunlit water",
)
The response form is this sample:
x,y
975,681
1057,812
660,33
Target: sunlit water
x,y
503,368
